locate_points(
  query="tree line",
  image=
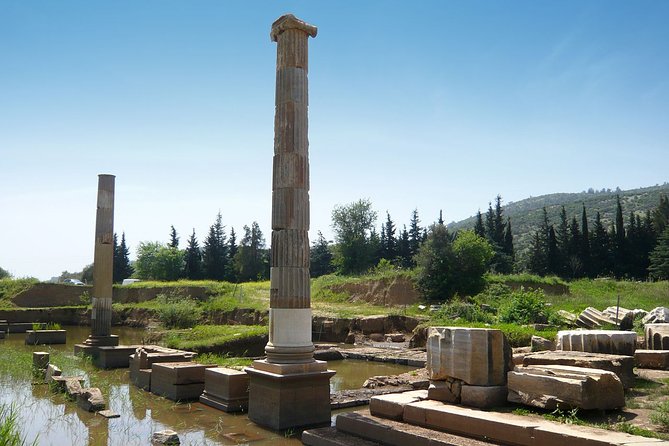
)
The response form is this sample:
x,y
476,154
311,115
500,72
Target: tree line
x,y
634,249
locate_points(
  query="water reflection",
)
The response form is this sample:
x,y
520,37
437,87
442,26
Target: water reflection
x,y
56,421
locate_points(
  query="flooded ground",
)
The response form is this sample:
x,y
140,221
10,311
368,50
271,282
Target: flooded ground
x,y
55,421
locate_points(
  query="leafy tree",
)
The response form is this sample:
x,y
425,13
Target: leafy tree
x,y
174,238
472,255
659,258
193,259
321,257
121,266
87,274
251,260
4,274
156,261
215,253
352,225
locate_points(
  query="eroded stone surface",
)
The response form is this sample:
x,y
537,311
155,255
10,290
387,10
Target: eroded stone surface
x,y
656,336
483,397
551,387
591,318
447,390
477,356
392,406
91,399
165,437
540,344
658,315
597,341
652,359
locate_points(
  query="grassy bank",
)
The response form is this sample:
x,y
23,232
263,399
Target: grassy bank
x,y
208,338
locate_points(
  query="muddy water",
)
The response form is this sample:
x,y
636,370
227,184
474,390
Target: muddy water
x,y
55,421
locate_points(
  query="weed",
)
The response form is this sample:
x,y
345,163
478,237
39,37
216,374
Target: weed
x,y
10,430
525,307
661,415
175,311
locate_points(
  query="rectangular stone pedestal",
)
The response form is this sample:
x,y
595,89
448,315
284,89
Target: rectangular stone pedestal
x,y
226,389
284,396
92,349
178,381
114,357
44,337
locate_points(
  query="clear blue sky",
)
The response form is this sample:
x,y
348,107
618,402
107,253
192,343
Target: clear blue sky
x,y
427,105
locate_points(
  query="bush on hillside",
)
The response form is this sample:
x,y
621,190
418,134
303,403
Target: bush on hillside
x,y
525,307
176,311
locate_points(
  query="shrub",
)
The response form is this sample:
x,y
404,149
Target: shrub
x,y
661,415
525,307
176,311
467,311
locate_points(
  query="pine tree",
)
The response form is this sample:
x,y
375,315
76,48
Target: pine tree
x,y
388,241
250,259
193,259
600,252
231,270
403,249
661,215
552,256
659,258
498,236
574,264
415,234
562,235
490,224
321,257
115,274
585,243
441,218
214,255
538,259
121,265
174,238
620,263
479,229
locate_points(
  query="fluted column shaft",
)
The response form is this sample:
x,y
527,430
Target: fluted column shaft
x,y
290,300
103,259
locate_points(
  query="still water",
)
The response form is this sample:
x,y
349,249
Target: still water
x,y
55,421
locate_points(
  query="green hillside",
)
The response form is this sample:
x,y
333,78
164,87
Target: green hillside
x,y
526,214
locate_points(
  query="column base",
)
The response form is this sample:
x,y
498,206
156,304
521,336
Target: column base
x,y
286,396
92,344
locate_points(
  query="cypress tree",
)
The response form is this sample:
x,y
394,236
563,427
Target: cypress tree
x,y
415,234
599,249
574,263
479,229
562,235
193,259
538,259
508,240
490,224
388,241
552,255
214,255
498,236
404,250
441,218
620,265
659,258
121,268
174,238
585,243
231,271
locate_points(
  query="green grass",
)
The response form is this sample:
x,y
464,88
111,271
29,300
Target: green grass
x,y
10,427
205,337
525,278
11,287
223,360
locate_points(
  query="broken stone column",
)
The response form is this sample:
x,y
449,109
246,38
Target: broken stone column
x,y
657,336
103,263
289,388
597,341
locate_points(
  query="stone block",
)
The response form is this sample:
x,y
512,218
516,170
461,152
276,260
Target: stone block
x,y
115,357
622,366
179,372
108,414
291,169
165,437
329,436
177,392
652,359
597,341
448,390
295,248
40,360
483,397
290,209
656,336
60,383
226,389
51,371
539,344
91,399
291,400
592,319
73,388
552,386
477,356
658,315
45,337
392,405
558,434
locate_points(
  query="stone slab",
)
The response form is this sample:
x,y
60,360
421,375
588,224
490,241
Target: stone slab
x,y
555,434
226,405
395,433
598,341
477,356
107,413
45,337
622,366
483,397
19,327
447,391
652,359
91,399
330,436
59,383
392,406
290,369
40,360
177,392
554,386
226,383
289,401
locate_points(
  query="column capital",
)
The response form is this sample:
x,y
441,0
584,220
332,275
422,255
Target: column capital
x,y
289,21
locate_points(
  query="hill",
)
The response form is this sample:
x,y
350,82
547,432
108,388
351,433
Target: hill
x,y
526,214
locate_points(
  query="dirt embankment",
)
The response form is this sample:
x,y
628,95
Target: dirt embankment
x,y
387,291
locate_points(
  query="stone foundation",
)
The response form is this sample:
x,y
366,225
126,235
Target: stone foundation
x,y
226,389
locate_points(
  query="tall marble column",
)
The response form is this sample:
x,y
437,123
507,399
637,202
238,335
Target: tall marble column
x,y
290,389
103,265
290,302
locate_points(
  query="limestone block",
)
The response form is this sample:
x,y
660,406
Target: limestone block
x,y
290,120
40,360
59,383
294,248
552,386
51,371
288,285
392,405
290,208
447,390
622,366
226,389
658,315
597,341
483,397
91,399
73,388
165,437
539,344
656,336
652,359
592,318
477,356
567,317
178,381
623,317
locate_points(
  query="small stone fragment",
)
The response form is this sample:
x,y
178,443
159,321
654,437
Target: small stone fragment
x,y
540,344
350,338
658,315
91,399
166,437
51,371
447,391
107,413
72,388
